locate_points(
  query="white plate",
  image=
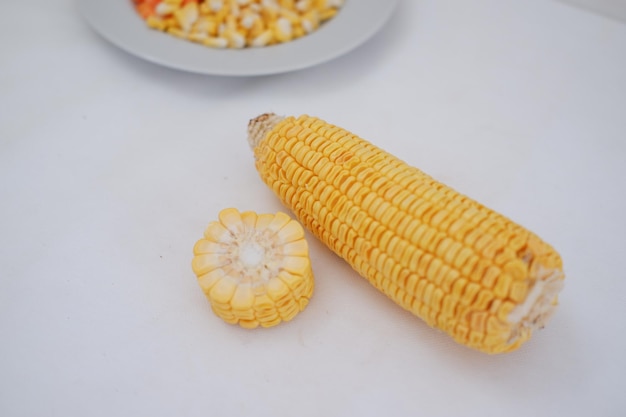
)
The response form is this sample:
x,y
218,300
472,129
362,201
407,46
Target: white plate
x,y
357,21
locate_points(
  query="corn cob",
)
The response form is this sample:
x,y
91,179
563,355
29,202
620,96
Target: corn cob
x,y
454,263
254,269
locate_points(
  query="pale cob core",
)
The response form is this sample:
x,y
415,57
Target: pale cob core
x,y
254,269
458,265
251,255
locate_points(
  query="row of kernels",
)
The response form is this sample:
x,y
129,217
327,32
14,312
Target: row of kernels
x,y
443,271
237,23
428,298
333,173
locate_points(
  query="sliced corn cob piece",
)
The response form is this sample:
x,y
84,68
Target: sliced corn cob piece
x,y
456,264
254,269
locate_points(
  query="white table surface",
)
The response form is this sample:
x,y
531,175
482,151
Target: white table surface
x,y
110,168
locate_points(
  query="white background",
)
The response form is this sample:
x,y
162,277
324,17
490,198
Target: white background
x,y
111,167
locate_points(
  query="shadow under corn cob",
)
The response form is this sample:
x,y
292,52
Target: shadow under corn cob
x,y
456,264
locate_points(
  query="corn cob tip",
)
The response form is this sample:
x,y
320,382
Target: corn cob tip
x,y
539,306
259,126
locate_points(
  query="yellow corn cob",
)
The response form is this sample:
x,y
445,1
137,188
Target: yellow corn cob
x,y
254,269
456,264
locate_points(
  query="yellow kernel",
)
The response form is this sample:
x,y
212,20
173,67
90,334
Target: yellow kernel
x,y
177,32
475,338
205,25
478,321
495,325
262,302
292,16
517,269
249,324
258,27
228,318
243,298
504,310
234,8
290,312
231,23
170,22
269,13
461,332
197,37
204,9
202,264
490,275
327,14
470,292
283,30
462,257
187,16
303,5
493,340
235,39
437,298
483,299
155,23
271,322
469,267
287,4
164,9
519,290
448,306
208,280
248,20
277,289
503,285
223,291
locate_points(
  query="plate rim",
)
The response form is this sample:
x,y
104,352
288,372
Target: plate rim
x,y
355,24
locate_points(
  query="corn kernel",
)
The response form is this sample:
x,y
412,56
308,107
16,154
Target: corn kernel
x,y
177,32
164,9
303,5
206,25
216,5
248,20
155,23
327,14
187,16
197,37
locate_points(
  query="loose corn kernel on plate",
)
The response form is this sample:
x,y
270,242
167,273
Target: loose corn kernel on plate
x,y
119,22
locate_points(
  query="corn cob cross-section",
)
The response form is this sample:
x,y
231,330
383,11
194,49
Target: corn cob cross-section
x,y
254,269
461,267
